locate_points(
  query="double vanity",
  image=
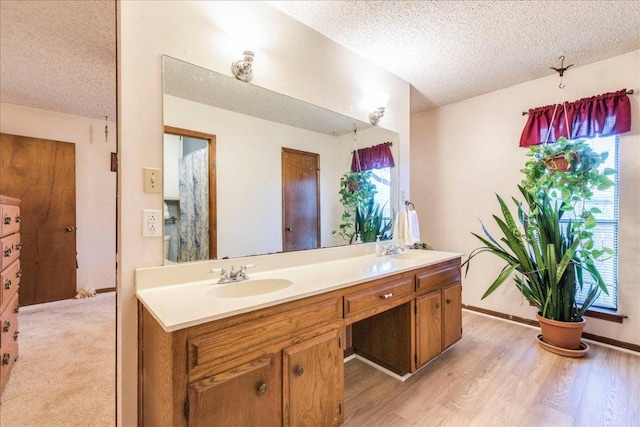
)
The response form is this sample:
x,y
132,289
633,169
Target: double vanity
x,y
270,350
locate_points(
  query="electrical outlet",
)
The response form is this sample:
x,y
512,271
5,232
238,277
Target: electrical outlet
x,y
151,223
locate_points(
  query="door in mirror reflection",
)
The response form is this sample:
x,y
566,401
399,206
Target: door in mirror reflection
x,y
300,200
189,196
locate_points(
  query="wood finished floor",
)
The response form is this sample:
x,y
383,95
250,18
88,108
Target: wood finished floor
x,y
497,375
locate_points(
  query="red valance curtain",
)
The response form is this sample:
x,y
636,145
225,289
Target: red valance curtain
x,y
602,115
376,157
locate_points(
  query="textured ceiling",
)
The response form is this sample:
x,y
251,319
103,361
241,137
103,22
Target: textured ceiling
x,y
59,56
453,50
204,86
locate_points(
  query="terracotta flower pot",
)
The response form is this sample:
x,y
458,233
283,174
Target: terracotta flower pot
x,y
559,163
561,334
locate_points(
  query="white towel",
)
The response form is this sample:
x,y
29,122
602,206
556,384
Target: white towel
x,y
166,211
412,228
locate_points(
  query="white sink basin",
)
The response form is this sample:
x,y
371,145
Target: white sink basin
x,y
249,288
409,254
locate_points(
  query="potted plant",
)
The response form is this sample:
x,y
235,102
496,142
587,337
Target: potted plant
x,y
356,192
549,257
370,222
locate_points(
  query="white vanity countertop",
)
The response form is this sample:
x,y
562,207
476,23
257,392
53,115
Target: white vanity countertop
x,y
181,305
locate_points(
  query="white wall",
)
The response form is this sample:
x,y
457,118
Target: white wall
x,y
95,184
249,174
290,59
464,153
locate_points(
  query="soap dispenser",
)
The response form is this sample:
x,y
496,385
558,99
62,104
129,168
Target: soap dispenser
x,y
378,246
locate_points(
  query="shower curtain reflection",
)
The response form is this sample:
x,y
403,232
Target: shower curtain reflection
x,y
194,207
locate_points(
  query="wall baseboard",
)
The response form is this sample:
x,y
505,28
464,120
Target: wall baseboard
x,y
586,335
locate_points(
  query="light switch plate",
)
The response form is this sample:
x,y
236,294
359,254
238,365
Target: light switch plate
x,y
151,223
152,180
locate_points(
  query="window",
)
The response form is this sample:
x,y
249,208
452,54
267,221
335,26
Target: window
x,y
381,178
606,232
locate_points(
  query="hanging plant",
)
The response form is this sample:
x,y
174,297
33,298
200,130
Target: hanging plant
x,y
356,192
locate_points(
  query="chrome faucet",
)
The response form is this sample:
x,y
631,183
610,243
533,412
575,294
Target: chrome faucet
x,y
393,249
233,275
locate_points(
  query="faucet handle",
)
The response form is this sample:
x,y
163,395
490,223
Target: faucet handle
x,y
222,271
244,267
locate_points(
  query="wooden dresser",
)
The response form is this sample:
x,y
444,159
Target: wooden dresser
x,y
9,280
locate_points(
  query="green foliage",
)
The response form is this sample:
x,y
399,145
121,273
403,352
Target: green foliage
x,y
356,192
549,258
370,223
545,256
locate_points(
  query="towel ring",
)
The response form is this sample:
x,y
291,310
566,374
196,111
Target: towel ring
x,y
409,205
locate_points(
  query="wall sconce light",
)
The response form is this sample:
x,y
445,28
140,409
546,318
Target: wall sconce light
x,y
242,68
375,117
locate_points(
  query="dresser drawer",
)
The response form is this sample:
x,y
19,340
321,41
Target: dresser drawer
x,y
9,324
8,358
436,276
378,297
9,219
9,281
10,250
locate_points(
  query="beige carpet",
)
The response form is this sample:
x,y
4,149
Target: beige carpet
x,y
65,374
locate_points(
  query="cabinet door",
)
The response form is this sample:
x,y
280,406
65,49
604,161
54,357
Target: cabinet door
x,y
250,395
313,393
428,327
452,310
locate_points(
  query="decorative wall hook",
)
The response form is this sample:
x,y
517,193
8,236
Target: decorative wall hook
x,y
242,68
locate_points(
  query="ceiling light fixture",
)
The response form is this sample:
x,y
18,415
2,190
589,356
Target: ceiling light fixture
x,y
242,69
374,118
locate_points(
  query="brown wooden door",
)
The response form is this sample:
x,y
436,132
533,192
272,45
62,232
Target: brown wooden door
x,y
428,327
313,389
249,395
300,200
42,174
452,300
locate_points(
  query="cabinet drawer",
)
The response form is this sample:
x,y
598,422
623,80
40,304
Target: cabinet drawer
x,y
8,357
10,250
9,281
436,276
9,324
226,345
377,298
9,219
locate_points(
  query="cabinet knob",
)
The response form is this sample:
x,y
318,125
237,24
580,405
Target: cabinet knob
x,y
299,371
18,246
16,308
5,358
7,219
437,305
448,301
7,284
18,273
18,218
385,296
15,335
262,389
70,228
6,326
7,251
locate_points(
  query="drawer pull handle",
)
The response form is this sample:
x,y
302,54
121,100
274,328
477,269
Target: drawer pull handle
x,y
17,308
7,219
7,284
7,251
7,326
299,371
18,246
18,273
385,296
18,218
5,358
15,335
262,389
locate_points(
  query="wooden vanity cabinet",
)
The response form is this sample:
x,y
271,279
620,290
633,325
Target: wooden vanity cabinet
x,y
438,310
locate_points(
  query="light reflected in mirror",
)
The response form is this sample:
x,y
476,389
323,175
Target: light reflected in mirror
x,y
275,167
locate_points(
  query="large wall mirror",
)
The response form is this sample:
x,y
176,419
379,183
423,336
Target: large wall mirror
x,y
274,164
